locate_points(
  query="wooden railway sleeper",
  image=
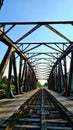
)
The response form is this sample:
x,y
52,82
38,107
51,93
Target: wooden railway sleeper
x,y
40,112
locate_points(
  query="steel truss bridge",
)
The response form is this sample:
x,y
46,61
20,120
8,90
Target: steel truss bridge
x,y
35,63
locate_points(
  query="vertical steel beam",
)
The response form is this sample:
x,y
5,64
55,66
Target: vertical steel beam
x,y
65,76
25,77
32,79
60,77
28,78
9,90
20,70
70,84
56,76
51,82
12,63
15,73
55,79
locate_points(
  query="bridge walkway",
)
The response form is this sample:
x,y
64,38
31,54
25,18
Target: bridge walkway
x,y
9,106
67,102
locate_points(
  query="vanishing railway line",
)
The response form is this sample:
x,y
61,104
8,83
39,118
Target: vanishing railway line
x,y
40,112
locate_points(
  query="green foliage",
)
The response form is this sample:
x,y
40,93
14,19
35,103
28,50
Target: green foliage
x,y
38,84
2,91
4,80
46,84
3,86
13,88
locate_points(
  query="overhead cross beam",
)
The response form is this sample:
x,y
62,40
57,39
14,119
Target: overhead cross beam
x,y
5,39
57,32
41,23
33,43
28,33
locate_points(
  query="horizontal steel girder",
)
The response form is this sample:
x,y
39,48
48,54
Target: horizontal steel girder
x,y
41,23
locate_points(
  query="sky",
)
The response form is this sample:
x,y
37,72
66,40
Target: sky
x,y
35,10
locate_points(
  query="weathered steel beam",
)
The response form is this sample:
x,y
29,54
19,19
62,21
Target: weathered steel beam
x,y
42,52
28,33
29,43
58,33
4,62
53,48
42,23
46,59
9,90
26,46
60,78
33,48
51,81
65,77
59,47
65,53
5,39
33,55
25,79
5,32
70,83
20,70
23,73
12,63
51,55
15,73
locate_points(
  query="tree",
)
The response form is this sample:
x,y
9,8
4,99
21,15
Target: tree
x,y
4,80
46,84
38,84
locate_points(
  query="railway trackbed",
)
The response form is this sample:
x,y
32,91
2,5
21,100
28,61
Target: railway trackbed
x,y
40,112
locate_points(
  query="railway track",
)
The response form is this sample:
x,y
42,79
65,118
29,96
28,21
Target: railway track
x,y
40,112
